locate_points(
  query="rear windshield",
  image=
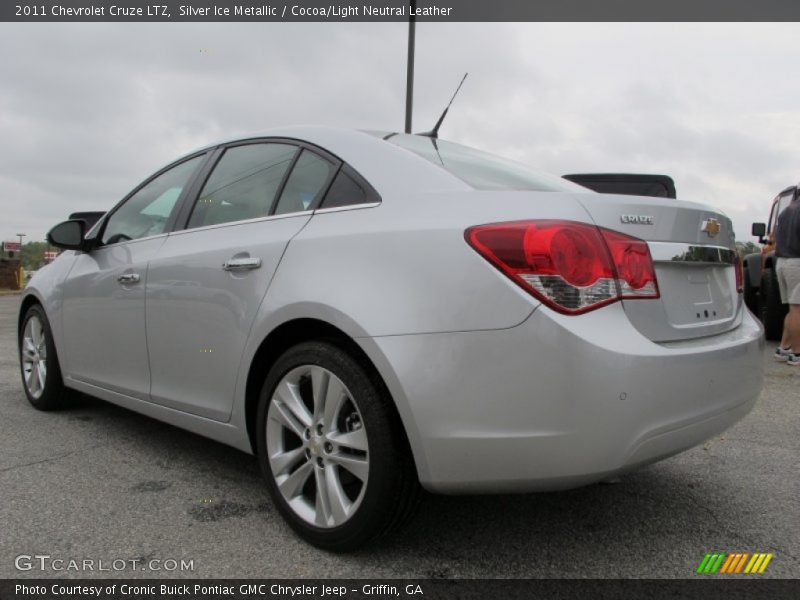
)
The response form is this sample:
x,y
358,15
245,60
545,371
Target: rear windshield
x,y
482,170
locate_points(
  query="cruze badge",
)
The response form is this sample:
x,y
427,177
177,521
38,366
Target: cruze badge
x,y
711,227
636,219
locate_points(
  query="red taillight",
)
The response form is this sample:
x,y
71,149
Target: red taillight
x,y
635,273
737,265
572,267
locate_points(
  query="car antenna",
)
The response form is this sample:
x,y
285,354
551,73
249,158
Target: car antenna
x,y
434,133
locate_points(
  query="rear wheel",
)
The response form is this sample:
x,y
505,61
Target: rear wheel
x,y
750,293
41,373
332,449
773,311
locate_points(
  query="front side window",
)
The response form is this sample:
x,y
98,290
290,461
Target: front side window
x,y
243,184
482,170
146,212
306,182
783,201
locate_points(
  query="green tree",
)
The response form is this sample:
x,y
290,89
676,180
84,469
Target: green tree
x,y
33,255
751,247
745,248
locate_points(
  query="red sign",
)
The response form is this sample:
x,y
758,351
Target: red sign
x,y
10,246
50,255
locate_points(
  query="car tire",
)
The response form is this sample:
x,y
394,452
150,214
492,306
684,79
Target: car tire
x,y
750,294
39,366
352,443
773,311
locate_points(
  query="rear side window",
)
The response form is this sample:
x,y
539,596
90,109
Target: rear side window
x,y
308,180
243,184
482,170
349,189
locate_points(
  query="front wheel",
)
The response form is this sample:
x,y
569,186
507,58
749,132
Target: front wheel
x,y
41,373
332,449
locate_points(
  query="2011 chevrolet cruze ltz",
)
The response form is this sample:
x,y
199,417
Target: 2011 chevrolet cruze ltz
x,y
367,312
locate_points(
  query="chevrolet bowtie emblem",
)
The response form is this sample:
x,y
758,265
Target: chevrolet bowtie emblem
x,y
711,227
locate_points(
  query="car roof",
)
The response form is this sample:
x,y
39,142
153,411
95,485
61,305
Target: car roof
x,y
386,166
306,133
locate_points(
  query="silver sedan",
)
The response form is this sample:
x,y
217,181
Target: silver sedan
x,y
374,313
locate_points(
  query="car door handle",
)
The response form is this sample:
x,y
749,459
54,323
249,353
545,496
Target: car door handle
x,y
128,278
242,264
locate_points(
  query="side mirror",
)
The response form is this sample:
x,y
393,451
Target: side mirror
x,y
759,230
67,235
89,217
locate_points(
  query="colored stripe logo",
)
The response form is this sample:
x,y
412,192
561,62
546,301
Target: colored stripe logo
x,y
734,563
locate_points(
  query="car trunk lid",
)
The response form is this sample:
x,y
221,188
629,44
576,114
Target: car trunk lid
x,y
693,250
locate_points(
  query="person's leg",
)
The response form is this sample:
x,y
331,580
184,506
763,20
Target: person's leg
x,y
786,344
791,328
792,324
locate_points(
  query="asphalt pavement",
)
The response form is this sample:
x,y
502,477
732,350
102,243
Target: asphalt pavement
x,y
100,483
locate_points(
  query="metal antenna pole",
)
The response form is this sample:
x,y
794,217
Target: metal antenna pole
x,y
410,69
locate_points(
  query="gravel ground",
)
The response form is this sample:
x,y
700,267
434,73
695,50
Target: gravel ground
x,y
102,483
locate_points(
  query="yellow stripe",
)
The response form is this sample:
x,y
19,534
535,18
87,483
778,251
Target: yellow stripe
x,y
741,562
751,566
757,566
727,563
764,564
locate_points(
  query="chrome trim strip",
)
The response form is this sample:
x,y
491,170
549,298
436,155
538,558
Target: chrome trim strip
x,y
271,218
695,254
244,222
320,211
128,242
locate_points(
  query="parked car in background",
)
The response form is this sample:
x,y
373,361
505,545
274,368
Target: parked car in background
x,y
761,292
660,186
368,312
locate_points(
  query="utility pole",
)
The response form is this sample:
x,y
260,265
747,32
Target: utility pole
x,y
20,236
20,282
410,67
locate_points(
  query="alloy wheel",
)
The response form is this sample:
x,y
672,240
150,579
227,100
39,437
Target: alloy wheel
x,y
34,356
317,446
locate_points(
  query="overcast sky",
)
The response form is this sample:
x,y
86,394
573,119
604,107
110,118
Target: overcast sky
x,y
87,111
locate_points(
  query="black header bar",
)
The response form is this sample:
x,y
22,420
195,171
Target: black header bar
x,y
397,10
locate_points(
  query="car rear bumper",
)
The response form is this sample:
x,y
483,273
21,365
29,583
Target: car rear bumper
x,y
561,401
